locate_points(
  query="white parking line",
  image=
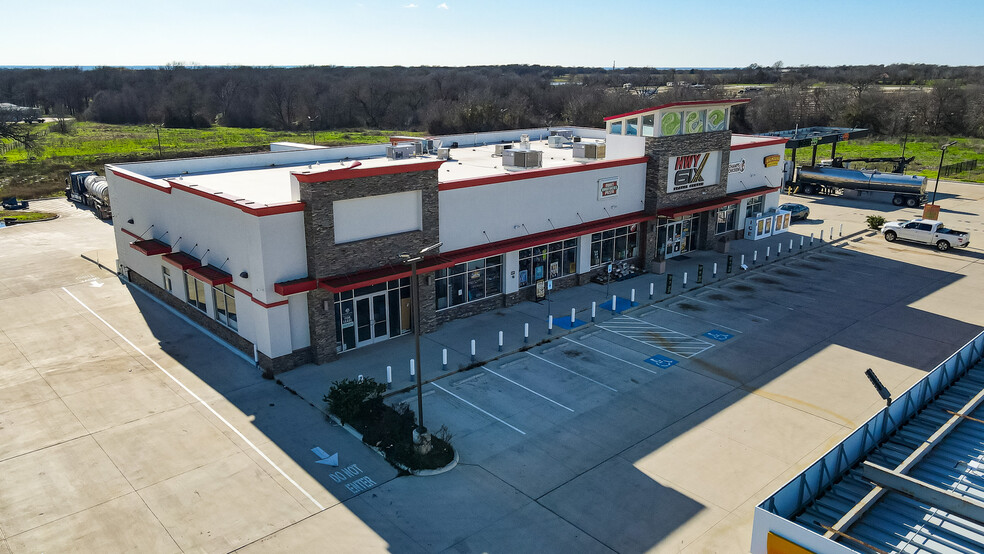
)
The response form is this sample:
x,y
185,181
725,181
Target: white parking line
x,y
203,403
527,388
572,371
611,356
664,339
718,325
479,409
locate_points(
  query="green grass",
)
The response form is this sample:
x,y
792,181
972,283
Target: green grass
x,y
925,149
91,145
24,216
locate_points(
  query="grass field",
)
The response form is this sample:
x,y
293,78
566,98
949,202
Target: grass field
x,y
22,215
91,145
925,149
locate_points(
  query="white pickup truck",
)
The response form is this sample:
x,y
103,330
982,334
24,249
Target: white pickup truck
x,y
925,231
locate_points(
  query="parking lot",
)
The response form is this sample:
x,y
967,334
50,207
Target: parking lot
x,y
124,428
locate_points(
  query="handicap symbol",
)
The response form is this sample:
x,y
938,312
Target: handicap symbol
x,y
661,361
718,335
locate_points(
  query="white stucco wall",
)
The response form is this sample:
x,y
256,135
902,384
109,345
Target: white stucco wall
x,y
541,204
376,216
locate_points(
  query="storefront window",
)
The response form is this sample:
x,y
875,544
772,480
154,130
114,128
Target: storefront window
x,y
727,218
372,313
225,306
195,292
649,125
616,127
468,282
755,205
547,261
614,245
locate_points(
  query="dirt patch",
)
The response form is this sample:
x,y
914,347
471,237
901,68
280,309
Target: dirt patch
x,y
808,265
787,272
743,288
840,253
686,306
765,280
572,353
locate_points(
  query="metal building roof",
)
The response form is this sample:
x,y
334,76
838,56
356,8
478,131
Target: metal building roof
x,y
929,496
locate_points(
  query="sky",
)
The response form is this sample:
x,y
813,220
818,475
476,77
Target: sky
x,y
597,33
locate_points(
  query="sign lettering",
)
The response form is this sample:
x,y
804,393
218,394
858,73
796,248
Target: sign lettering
x,y
607,188
771,160
692,171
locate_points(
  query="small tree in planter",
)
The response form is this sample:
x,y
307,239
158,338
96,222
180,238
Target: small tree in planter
x,y
875,222
355,401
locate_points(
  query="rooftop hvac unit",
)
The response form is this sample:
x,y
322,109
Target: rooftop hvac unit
x,y
522,159
566,133
556,141
400,151
500,148
423,147
589,150
524,142
444,153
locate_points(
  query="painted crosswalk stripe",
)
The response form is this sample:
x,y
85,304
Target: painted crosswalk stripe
x,y
656,336
521,432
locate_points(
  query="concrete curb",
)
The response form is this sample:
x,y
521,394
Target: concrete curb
x,y
416,472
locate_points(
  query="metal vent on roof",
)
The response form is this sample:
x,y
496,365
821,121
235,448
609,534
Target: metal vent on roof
x,y
521,159
589,150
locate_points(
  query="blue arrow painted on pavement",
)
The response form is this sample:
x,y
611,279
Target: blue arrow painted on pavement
x,y
326,459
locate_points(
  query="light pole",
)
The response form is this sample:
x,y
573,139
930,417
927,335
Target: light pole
x,y
412,259
940,170
160,152
311,126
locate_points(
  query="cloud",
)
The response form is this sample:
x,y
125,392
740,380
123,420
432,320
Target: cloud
x,y
410,6
443,5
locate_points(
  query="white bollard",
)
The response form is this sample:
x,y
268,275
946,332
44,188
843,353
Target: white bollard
x,y
632,296
768,250
684,279
714,272
801,242
473,350
755,256
811,239
790,245
779,250
573,311
361,378
614,298
444,358
743,259
526,333
412,370
549,324
821,235
500,341
842,230
389,375
592,311
652,287
831,235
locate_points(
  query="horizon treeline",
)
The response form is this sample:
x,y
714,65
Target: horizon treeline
x,y
890,99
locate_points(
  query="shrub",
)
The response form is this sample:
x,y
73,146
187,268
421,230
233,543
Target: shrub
x,y
350,400
875,222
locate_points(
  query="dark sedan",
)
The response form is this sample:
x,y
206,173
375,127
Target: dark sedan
x,y
796,211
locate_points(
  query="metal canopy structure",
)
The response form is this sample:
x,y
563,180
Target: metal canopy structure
x,y
815,136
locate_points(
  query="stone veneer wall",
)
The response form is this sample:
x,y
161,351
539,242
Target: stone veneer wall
x,y
327,259
270,365
659,150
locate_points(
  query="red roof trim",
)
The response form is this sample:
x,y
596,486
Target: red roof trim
x,y
758,144
131,233
296,286
211,275
361,172
151,247
258,302
181,260
243,205
131,177
720,202
534,173
683,103
371,277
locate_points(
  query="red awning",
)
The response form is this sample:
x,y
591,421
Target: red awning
x,y
371,277
719,202
554,235
181,260
211,275
150,247
286,288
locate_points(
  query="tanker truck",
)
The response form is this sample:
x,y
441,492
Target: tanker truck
x,y
90,189
902,190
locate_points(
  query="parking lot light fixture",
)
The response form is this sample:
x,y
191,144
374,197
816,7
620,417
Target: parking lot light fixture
x,y
412,260
940,170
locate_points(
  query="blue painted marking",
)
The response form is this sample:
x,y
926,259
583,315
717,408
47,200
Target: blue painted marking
x,y
621,304
661,361
565,322
718,335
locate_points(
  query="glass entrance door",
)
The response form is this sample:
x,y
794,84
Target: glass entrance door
x,y
674,238
371,324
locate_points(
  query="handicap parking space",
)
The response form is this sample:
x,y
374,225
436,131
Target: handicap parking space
x,y
656,336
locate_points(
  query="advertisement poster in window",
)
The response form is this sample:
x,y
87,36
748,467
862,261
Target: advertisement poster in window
x,y
554,269
476,285
538,272
347,318
524,278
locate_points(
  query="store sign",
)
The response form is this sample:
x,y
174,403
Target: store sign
x,y
607,188
736,167
694,171
770,161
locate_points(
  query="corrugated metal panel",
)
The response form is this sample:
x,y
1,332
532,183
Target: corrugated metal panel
x,y
897,523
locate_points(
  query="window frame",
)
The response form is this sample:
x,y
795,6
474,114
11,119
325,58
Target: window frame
x,y
222,296
195,293
468,277
608,245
